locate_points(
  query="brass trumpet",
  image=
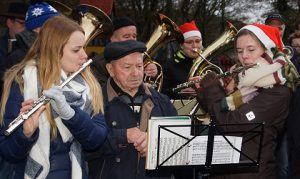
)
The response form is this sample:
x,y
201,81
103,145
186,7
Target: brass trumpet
x,y
223,75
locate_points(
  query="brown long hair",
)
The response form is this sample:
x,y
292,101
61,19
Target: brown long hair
x,y
47,51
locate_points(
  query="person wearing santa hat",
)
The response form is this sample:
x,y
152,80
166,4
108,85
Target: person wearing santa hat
x,y
269,86
176,70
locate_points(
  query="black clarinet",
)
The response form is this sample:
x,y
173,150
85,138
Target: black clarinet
x,y
40,102
223,75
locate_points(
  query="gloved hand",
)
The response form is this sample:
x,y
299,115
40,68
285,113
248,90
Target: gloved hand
x,y
210,79
59,103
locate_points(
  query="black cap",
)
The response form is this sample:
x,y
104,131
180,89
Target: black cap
x,y
122,22
117,50
274,16
16,10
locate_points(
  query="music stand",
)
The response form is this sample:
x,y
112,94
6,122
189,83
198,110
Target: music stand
x,y
248,162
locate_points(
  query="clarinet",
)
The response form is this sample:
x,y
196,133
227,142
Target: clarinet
x,y
223,75
40,102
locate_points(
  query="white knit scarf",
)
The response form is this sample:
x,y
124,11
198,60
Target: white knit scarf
x,y
38,165
267,74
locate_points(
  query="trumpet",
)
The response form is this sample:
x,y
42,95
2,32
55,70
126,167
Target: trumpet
x,y
40,102
223,75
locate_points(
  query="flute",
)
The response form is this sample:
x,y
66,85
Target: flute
x,y
227,73
40,102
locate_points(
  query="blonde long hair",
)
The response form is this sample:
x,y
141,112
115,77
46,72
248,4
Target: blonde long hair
x,y
47,51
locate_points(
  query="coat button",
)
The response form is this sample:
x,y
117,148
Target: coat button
x,y
118,159
114,123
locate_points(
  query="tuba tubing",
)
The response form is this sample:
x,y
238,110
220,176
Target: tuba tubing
x,y
201,64
165,32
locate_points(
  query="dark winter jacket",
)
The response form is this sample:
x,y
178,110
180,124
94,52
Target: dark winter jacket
x,y
15,148
175,72
24,41
296,60
99,69
117,158
270,106
294,135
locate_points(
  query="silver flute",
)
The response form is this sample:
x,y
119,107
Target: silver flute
x,y
40,102
227,73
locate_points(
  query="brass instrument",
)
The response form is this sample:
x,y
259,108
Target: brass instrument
x,y
222,75
92,19
165,32
94,22
201,65
40,102
288,51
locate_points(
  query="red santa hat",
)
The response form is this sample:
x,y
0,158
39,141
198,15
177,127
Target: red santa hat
x,y
269,36
190,29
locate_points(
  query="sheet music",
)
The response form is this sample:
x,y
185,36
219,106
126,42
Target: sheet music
x,y
222,152
194,153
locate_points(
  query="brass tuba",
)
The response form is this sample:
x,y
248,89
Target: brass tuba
x,y
92,19
165,32
201,65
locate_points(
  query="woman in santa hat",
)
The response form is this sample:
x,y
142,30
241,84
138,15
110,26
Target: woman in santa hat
x,y
260,95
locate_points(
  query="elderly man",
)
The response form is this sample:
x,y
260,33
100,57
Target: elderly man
x,y
124,28
129,103
276,20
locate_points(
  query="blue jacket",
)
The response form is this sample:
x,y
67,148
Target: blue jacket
x,y
117,158
16,147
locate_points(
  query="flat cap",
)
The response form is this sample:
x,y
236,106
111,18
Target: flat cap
x,y
122,22
117,50
274,16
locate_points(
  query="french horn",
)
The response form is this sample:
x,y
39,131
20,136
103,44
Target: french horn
x,y
165,32
202,65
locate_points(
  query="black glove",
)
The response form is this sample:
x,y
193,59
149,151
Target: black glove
x,y
210,79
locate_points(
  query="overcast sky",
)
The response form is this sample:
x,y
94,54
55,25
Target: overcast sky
x,y
249,11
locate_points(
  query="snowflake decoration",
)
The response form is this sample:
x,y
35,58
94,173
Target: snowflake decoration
x,y
52,9
37,11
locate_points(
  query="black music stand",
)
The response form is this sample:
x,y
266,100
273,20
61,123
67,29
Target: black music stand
x,y
247,162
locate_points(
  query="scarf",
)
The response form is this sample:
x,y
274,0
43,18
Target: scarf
x,y
270,72
76,93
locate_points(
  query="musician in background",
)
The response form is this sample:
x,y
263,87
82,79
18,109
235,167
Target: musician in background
x,y
278,21
124,28
294,40
129,104
268,104
37,14
177,69
49,143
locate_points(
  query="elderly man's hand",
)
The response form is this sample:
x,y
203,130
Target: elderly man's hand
x,y
151,70
141,144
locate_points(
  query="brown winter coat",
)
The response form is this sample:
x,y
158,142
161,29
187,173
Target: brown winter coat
x,y
269,106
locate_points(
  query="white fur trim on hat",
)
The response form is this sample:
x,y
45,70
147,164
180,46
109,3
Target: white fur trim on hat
x,y
268,43
192,34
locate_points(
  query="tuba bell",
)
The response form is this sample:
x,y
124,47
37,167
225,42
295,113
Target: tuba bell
x,y
92,19
201,65
165,32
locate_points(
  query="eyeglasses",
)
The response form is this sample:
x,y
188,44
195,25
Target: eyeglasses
x,y
19,21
